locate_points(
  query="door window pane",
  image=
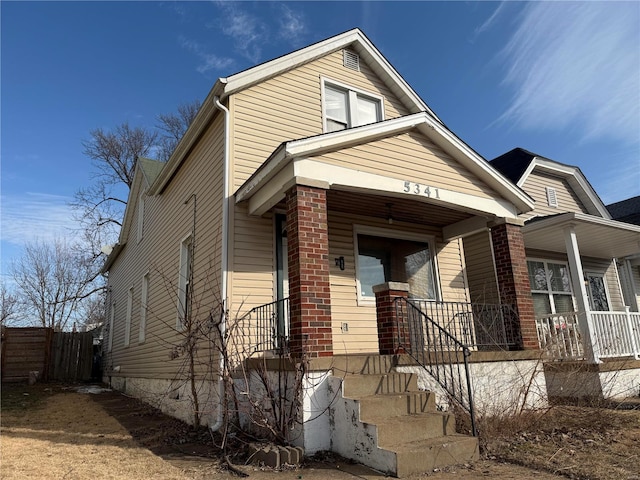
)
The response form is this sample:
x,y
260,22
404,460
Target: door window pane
x,y
598,293
383,260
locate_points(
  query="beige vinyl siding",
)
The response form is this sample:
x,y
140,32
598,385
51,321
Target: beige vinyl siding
x,y
535,185
167,221
289,106
411,157
362,335
481,274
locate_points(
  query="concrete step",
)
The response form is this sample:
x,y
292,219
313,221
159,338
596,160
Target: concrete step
x,y
362,364
356,386
401,429
375,407
425,455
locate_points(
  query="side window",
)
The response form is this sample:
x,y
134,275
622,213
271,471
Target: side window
x,y
127,324
184,282
345,107
144,298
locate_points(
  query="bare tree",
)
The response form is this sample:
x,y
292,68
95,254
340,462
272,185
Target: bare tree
x,y
9,306
52,281
172,127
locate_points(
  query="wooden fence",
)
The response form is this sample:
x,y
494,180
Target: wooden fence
x,y
62,356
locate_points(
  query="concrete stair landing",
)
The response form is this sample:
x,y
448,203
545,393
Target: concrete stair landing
x,y
409,435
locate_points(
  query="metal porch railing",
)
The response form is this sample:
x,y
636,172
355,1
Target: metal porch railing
x,y
436,350
476,325
267,326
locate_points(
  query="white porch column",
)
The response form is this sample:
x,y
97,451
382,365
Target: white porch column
x,y
580,291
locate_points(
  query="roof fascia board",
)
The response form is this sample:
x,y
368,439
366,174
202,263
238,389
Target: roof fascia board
x,y
252,76
328,176
325,142
581,217
198,125
476,164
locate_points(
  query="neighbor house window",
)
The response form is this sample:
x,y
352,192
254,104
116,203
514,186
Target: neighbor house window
x,y
550,287
184,282
381,259
345,107
598,296
127,324
144,297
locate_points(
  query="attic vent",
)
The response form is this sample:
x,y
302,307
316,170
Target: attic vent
x,y
552,198
351,60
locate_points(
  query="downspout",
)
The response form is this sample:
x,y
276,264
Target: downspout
x,y
224,256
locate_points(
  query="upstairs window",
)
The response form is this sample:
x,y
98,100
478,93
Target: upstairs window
x,y
345,108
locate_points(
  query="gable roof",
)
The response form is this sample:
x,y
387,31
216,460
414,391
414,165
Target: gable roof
x,y
626,210
146,171
353,39
517,165
421,121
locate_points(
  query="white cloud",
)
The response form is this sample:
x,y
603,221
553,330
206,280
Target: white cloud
x,y
208,61
35,216
491,20
247,30
576,66
292,24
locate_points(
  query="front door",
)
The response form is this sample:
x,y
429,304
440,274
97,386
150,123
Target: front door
x,y
282,282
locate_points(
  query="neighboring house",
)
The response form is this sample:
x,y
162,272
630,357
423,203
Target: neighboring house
x,y
322,205
582,267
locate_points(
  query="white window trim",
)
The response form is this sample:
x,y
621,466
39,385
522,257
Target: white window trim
x,y
140,229
550,292
112,316
400,235
350,90
144,299
127,321
183,273
603,275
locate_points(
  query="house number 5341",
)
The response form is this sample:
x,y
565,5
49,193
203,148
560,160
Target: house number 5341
x,y
418,189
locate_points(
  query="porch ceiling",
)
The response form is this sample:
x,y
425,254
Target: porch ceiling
x,y
402,210
597,237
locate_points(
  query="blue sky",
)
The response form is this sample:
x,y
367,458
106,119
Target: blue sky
x,y
560,79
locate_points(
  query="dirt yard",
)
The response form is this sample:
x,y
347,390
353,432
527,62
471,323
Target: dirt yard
x,y
56,432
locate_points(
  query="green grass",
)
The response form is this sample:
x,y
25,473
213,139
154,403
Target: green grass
x,y
17,398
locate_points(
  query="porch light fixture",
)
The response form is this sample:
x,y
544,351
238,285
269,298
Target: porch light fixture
x,y
389,216
340,262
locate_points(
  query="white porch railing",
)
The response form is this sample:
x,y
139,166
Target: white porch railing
x,y
617,334
559,336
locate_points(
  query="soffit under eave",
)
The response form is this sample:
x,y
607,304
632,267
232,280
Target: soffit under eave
x,y
594,239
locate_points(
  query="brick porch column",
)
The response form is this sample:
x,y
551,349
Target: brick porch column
x,y
308,255
393,329
513,279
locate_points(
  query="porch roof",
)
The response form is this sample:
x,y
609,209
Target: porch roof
x,y
293,163
597,237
